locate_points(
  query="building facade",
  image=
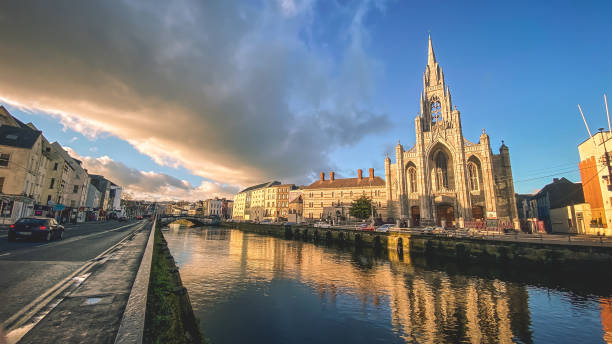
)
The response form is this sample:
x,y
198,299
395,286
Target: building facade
x,y
324,198
250,203
444,178
596,174
22,168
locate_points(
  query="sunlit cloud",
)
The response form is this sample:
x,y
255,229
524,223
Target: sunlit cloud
x,y
149,184
233,92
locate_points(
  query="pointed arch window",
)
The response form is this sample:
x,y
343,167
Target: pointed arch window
x,y
412,180
435,110
473,177
442,171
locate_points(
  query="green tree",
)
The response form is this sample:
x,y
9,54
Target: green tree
x,y
361,208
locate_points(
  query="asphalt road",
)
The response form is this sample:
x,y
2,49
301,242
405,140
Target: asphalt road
x,y
29,268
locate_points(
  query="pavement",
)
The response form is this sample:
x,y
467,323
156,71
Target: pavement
x,y
73,290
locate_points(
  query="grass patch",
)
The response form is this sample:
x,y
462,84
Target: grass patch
x,y
169,317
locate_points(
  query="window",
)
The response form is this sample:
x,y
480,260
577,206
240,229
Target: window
x,y
436,110
321,204
72,203
332,194
48,198
1,184
321,193
473,177
55,167
76,189
441,171
412,179
52,183
4,159
341,193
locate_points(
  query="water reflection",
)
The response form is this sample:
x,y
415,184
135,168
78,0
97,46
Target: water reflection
x,y
245,286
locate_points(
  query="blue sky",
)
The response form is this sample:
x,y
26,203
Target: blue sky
x,y
517,69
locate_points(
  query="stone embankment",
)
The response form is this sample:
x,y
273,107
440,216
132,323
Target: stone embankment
x,y
543,252
169,316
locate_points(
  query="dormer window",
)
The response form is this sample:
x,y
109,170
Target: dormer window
x,y
11,137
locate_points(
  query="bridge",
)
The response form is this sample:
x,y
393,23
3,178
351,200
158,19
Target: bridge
x,y
196,220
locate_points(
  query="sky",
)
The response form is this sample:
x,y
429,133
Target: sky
x,y
193,99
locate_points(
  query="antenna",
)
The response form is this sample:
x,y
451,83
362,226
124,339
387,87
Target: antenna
x,y
585,123
607,112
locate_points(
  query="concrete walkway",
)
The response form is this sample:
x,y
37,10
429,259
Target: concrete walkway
x,y
90,311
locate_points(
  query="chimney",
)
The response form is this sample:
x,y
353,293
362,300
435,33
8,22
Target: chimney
x,y
332,176
555,180
371,173
359,174
322,176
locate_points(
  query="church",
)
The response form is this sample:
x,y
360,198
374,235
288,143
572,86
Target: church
x,y
445,179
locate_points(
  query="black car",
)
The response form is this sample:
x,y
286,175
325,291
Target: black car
x,y
36,228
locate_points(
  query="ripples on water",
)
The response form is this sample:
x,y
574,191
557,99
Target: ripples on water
x,y
248,288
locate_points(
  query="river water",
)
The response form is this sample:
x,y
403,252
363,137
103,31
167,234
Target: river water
x,y
249,288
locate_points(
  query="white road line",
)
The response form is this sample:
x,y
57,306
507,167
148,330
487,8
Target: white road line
x,y
5,254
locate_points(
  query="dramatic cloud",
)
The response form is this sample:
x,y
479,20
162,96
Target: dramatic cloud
x,y
236,93
151,185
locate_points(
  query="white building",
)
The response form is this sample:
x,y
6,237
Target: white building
x,y
214,207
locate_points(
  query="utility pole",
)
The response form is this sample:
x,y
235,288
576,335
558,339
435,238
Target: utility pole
x,y
607,157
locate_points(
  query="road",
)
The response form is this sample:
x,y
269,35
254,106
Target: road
x,y
29,268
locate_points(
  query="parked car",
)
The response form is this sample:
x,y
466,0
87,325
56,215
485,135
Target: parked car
x,y
322,224
36,228
366,227
122,218
385,228
139,217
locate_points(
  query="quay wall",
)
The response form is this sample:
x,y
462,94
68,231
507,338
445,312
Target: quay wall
x,y
461,249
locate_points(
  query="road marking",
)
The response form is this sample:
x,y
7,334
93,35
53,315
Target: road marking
x,y
5,254
14,325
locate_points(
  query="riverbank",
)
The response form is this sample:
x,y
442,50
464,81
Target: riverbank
x,y
169,316
477,249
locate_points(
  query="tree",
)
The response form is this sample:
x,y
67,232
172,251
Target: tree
x,y
361,208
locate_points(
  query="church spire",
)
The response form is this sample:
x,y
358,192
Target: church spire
x,y
431,57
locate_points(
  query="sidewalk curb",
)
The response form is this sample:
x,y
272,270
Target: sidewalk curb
x,y
132,325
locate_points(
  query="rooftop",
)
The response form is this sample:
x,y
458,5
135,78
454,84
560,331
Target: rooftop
x,y
347,183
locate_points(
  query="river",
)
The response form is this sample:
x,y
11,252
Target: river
x,y
248,288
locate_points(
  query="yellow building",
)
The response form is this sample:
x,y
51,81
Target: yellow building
x,y
331,199
23,166
595,157
253,202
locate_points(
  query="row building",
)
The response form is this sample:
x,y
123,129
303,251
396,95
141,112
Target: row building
x,y
40,178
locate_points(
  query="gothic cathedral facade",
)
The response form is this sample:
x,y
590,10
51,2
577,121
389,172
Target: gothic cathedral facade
x,y
444,179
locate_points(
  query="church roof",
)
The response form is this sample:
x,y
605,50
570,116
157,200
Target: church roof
x,y
346,183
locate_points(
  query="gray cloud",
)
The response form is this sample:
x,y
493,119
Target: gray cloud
x,y
232,92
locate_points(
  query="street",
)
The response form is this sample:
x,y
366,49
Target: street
x,y
30,268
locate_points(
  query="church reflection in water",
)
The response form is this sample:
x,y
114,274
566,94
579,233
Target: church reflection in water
x,y
423,305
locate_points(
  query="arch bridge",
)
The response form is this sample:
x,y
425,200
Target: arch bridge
x,y
196,220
